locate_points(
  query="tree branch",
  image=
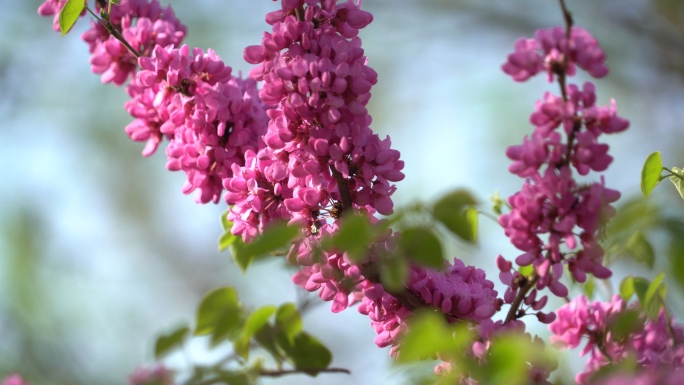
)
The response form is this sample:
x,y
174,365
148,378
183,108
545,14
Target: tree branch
x,y
284,372
520,297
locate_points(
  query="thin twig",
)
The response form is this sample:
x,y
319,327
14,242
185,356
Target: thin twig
x,y
513,311
114,32
284,372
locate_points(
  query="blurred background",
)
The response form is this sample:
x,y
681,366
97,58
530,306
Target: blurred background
x,y
100,250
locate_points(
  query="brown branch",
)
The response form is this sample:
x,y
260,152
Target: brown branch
x,y
567,17
299,13
114,32
343,188
284,372
520,297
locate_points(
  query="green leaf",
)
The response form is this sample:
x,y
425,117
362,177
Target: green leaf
x,y
289,321
422,245
650,173
274,237
305,353
116,2
266,337
451,212
429,334
69,14
219,314
257,320
507,362
394,273
354,235
167,342
625,323
632,215
589,287
640,288
675,253
640,249
472,219
654,287
627,288
654,297
227,239
677,180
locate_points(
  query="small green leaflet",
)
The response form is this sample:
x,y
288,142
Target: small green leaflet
x,y
305,352
227,239
168,342
219,314
422,245
640,249
354,235
625,323
453,211
429,333
69,14
275,236
394,273
255,322
650,173
289,321
651,295
678,180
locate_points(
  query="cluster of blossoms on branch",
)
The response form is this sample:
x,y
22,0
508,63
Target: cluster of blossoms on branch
x,y
300,149
555,220
321,158
657,347
187,96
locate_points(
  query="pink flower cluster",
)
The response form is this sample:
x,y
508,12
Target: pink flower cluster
x,y
650,376
189,97
316,76
660,343
461,292
143,24
554,219
212,119
330,273
553,51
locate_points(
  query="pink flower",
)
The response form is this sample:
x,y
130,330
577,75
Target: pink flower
x,y
156,375
14,379
551,50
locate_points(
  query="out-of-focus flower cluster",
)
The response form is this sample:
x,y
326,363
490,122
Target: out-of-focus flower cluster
x,y
155,375
656,346
14,379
